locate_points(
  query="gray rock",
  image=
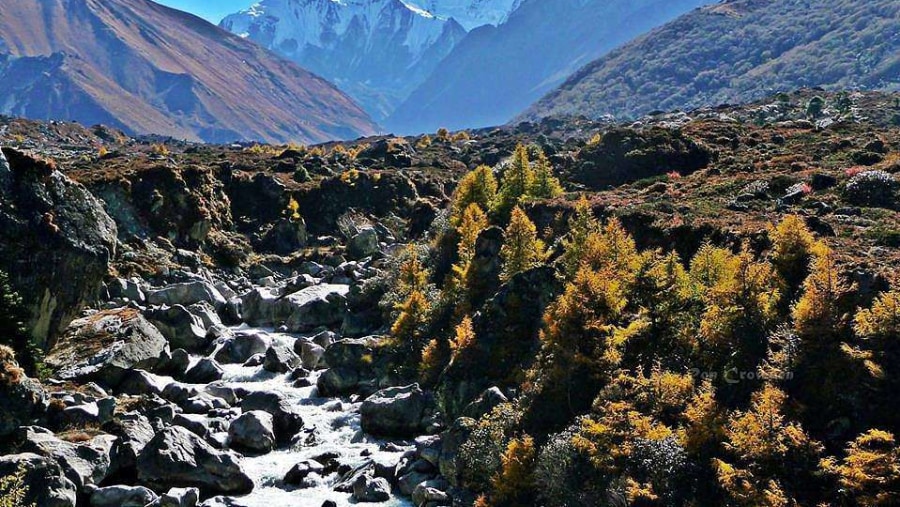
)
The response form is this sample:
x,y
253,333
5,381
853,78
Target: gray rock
x,y
325,338
21,403
134,432
395,412
182,328
139,382
302,470
104,346
451,440
176,364
44,479
205,371
337,382
286,421
363,244
178,458
180,497
310,353
124,289
241,347
255,361
485,403
57,244
304,310
369,489
187,294
426,493
195,423
206,313
280,359
253,431
410,480
83,464
122,496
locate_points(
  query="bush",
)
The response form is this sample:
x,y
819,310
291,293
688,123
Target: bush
x,y
874,189
561,473
13,490
481,455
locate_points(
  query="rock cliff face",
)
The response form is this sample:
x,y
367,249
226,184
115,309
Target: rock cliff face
x,y
58,242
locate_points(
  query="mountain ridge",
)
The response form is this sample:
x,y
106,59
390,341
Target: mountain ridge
x,y
738,51
496,72
146,68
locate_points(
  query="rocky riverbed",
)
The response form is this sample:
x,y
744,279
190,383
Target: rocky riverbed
x,y
220,392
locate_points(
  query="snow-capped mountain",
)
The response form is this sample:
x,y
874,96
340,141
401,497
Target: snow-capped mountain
x,y
377,51
470,13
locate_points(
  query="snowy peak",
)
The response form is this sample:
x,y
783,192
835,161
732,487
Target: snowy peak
x,y
470,13
377,51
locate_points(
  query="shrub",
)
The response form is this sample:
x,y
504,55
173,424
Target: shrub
x,y
876,189
882,322
480,457
870,472
815,107
560,471
515,482
13,489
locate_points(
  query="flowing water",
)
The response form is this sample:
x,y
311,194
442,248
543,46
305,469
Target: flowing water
x,y
335,426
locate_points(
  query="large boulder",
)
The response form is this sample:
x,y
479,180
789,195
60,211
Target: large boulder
x,y
280,359
187,294
180,497
363,244
286,421
122,496
239,348
56,245
252,431
83,464
175,457
350,361
104,346
371,489
304,310
205,371
43,479
134,432
22,400
396,412
182,328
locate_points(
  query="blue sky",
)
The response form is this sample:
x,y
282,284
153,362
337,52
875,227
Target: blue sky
x,y
213,10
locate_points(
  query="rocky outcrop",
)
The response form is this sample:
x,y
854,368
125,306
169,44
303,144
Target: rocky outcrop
x,y
104,346
22,400
182,328
187,294
304,310
252,432
122,496
507,328
57,242
84,464
175,457
286,421
46,484
397,412
625,155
